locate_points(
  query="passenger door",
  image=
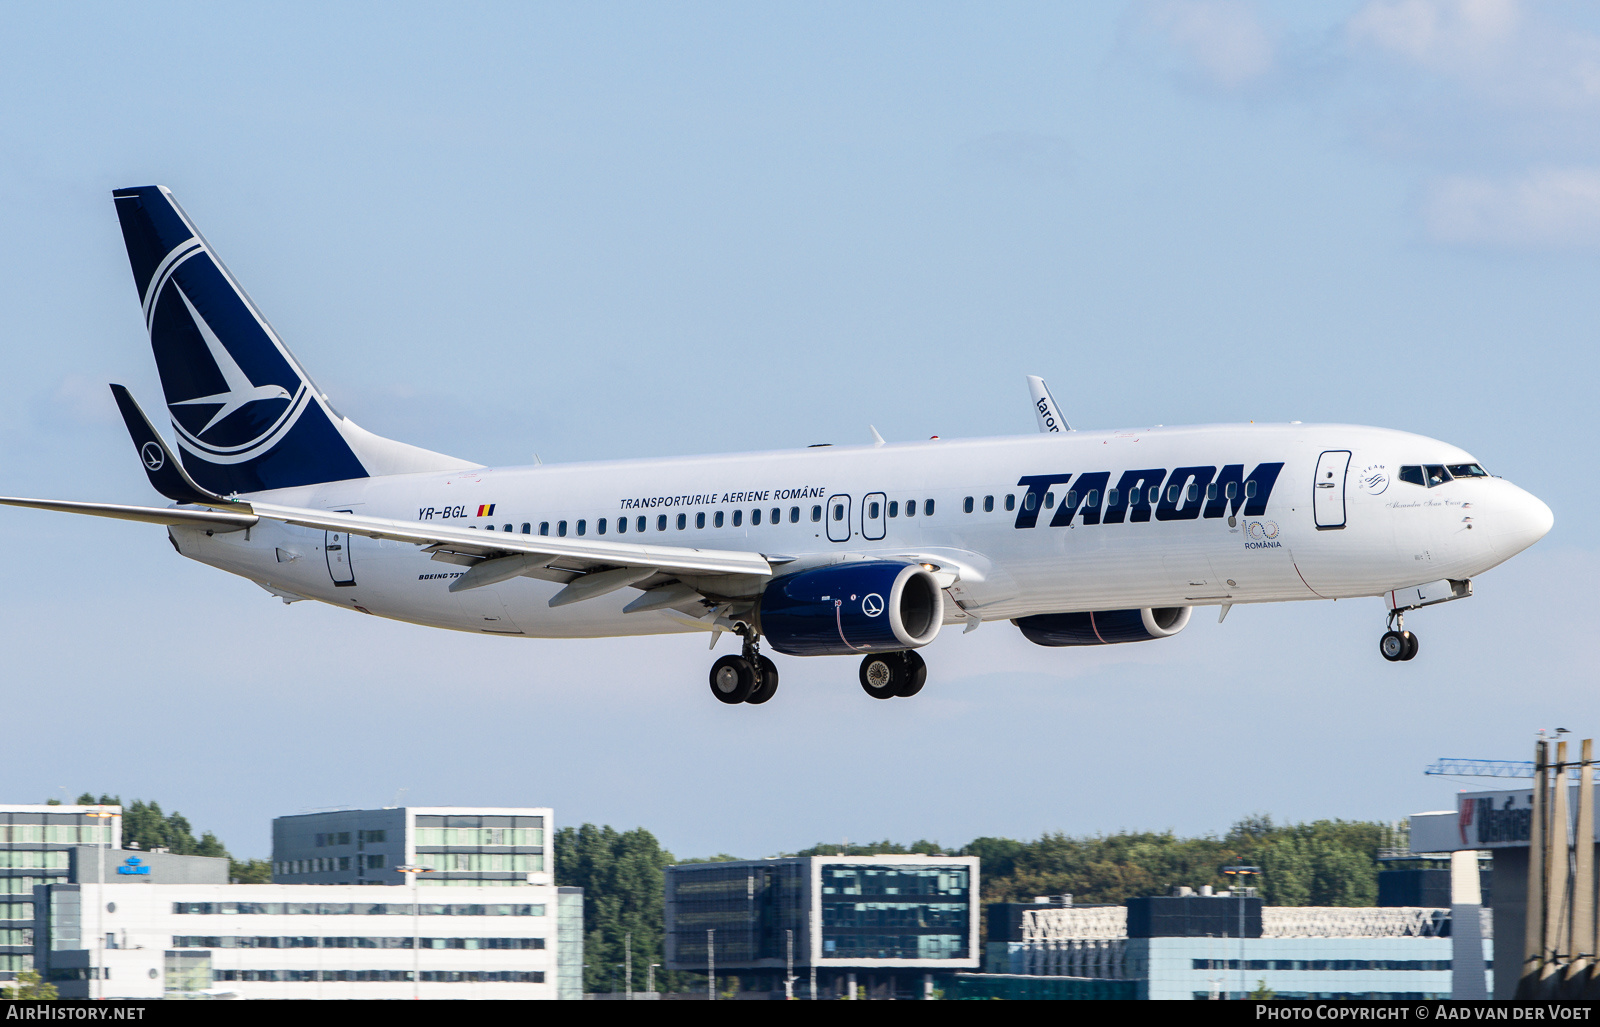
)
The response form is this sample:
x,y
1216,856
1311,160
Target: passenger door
x,y
837,514
1327,492
873,516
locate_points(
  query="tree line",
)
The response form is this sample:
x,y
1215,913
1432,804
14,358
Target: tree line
x,y
1323,863
146,827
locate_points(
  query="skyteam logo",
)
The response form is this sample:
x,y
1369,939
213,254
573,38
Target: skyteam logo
x,y
230,390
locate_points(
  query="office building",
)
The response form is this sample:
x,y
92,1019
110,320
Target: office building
x,y
1200,946
36,843
885,924
143,941
475,847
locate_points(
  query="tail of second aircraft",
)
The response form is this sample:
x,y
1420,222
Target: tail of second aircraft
x,y
248,417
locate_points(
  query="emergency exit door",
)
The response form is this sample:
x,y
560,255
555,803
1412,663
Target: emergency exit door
x,y
837,514
1327,493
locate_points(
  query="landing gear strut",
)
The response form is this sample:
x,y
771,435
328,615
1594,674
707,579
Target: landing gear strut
x,y
1397,644
746,678
893,675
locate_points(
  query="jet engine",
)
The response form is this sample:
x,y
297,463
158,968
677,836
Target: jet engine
x,y
872,606
1104,627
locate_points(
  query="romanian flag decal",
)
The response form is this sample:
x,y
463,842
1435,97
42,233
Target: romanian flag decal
x,y
486,510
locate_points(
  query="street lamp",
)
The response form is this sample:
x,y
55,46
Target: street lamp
x,y
100,906
415,873
1238,873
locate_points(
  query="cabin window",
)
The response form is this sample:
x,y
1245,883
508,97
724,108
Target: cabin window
x,y
683,521
1030,502
561,528
583,527
777,516
966,504
1413,473
1111,497
894,508
544,527
755,517
640,525
1092,500
988,504
1049,500
911,508
1011,501
717,520
872,510
1194,491
1072,497
1155,494
1211,491
738,518
506,528
486,527
661,522
1249,490
700,519
794,515
1233,489
527,529
1172,493
600,529
1466,471
1437,475
816,514
838,511
622,525
927,508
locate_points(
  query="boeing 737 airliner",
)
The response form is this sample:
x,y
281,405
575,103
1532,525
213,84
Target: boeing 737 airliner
x,y
1077,537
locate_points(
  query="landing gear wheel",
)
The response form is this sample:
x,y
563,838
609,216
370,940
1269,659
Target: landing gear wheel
x,y
916,674
1393,646
766,681
1411,646
732,679
882,675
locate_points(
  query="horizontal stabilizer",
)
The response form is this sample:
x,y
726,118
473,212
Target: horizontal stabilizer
x,y
217,520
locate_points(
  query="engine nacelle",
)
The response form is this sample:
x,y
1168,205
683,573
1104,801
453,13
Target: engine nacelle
x,y
865,607
1104,627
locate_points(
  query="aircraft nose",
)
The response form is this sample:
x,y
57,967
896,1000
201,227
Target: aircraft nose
x,y
1520,520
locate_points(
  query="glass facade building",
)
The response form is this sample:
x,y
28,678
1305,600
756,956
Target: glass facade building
x,y
36,843
462,846
904,915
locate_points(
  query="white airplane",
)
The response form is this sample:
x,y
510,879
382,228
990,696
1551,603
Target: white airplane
x,y
1077,537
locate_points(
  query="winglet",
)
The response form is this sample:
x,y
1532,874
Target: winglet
x,y
166,473
1044,407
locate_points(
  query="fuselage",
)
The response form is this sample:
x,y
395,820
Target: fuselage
x,y
1084,520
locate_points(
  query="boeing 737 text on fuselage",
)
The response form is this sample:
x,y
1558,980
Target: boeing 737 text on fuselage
x,y
1077,537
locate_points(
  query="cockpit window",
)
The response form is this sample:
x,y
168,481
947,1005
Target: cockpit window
x,y
1436,473
1467,471
1413,474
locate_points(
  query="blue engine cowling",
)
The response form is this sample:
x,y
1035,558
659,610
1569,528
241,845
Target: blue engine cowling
x,y
852,608
1104,627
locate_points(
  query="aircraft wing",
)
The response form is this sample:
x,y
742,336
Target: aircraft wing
x,y
588,567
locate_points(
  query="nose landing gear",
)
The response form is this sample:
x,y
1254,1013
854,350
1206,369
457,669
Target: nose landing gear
x,y
1397,644
746,678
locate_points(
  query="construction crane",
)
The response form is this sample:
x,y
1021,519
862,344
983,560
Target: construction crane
x,y
1449,767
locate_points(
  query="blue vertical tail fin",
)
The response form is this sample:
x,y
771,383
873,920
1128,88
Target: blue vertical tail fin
x,y
247,415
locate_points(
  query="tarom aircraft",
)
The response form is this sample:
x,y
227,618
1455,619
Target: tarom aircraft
x,y
1076,537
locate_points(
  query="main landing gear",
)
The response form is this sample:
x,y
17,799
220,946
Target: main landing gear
x,y
746,678
893,675
1397,644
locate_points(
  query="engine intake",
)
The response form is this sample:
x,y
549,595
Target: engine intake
x,y
863,607
1104,627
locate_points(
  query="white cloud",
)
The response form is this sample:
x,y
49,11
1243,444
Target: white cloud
x,y
1552,207
1438,33
1224,39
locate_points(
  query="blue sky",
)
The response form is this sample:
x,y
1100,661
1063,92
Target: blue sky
x,y
596,231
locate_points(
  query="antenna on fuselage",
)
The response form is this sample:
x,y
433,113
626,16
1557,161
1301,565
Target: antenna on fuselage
x,y
1044,407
